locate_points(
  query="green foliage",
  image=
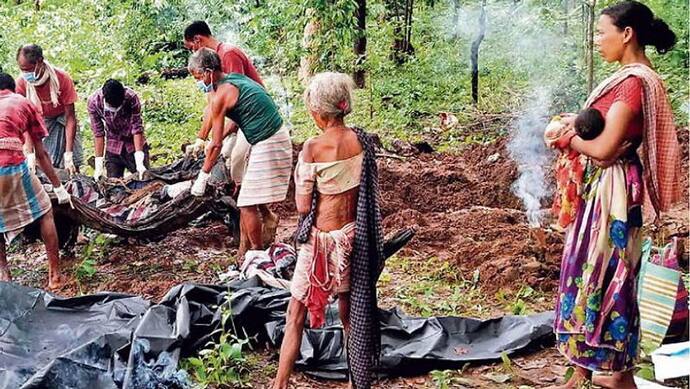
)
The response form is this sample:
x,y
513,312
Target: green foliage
x,y
221,364
85,270
92,252
443,379
524,48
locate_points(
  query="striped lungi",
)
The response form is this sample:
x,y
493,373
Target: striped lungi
x,y
22,197
268,170
55,144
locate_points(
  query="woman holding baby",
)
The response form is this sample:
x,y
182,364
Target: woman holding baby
x,y
597,317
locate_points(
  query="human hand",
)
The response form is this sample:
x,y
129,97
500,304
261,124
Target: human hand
x,y
69,162
99,168
199,186
564,140
139,157
31,162
196,148
62,196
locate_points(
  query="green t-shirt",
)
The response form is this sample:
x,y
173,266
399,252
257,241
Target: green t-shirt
x,y
255,111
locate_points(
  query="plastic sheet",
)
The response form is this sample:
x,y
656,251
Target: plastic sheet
x,y
111,340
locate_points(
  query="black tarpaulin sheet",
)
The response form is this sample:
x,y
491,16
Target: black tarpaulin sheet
x,y
111,340
166,214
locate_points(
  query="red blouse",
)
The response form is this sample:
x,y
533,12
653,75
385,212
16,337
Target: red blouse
x,y
629,92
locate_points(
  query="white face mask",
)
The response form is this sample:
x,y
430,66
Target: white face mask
x,y
108,108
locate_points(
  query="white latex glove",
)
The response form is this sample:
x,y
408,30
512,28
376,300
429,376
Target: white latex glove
x,y
69,162
139,160
31,161
99,168
197,148
62,196
199,186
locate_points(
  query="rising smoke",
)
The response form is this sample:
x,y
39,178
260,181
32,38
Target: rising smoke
x,y
518,37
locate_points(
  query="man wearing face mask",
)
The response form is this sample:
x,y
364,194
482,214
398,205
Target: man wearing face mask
x,y
52,91
115,115
254,112
198,35
235,149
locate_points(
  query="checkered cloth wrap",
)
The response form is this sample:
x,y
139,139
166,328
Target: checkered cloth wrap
x,y
55,143
661,151
364,342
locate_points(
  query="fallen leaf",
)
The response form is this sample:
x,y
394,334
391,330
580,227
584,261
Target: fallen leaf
x,y
497,377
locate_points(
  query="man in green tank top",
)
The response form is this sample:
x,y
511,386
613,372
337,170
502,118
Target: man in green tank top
x,y
254,112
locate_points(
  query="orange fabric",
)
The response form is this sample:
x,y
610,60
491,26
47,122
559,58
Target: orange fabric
x,y
17,117
570,170
661,151
66,96
234,60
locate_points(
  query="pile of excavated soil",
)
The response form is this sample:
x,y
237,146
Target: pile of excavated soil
x,y
464,211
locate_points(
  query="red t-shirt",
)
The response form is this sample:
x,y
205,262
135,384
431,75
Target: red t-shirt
x,y
234,60
629,92
67,96
18,117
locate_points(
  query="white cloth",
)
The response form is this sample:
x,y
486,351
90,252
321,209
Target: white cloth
x,y
268,170
238,158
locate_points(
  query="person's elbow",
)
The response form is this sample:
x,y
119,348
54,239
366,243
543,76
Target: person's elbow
x,y
215,145
605,152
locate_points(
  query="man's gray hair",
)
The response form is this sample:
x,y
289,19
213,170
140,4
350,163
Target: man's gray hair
x,y
204,59
330,94
31,53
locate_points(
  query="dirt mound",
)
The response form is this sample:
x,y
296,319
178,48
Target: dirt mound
x,y
480,175
496,242
464,211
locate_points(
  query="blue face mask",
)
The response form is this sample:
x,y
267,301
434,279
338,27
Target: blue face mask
x,y
206,88
29,76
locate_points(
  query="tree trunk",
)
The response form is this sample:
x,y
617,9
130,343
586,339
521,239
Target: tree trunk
x,y
408,25
361,44
456,18
566,13
474,55
590,45
306,64
402,30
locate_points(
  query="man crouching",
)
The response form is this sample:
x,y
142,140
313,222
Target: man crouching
x,y
22,197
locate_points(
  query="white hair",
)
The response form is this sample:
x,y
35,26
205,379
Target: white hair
x,y
330,94
203,60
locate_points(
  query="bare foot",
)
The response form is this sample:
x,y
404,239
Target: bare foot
x,y
577,381
55,282
617,380
268,231
5,274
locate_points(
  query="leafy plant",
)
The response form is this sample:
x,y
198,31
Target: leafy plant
x,y
222,363
443,379
94,250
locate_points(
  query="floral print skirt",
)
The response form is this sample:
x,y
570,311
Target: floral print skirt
x,y
597,319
